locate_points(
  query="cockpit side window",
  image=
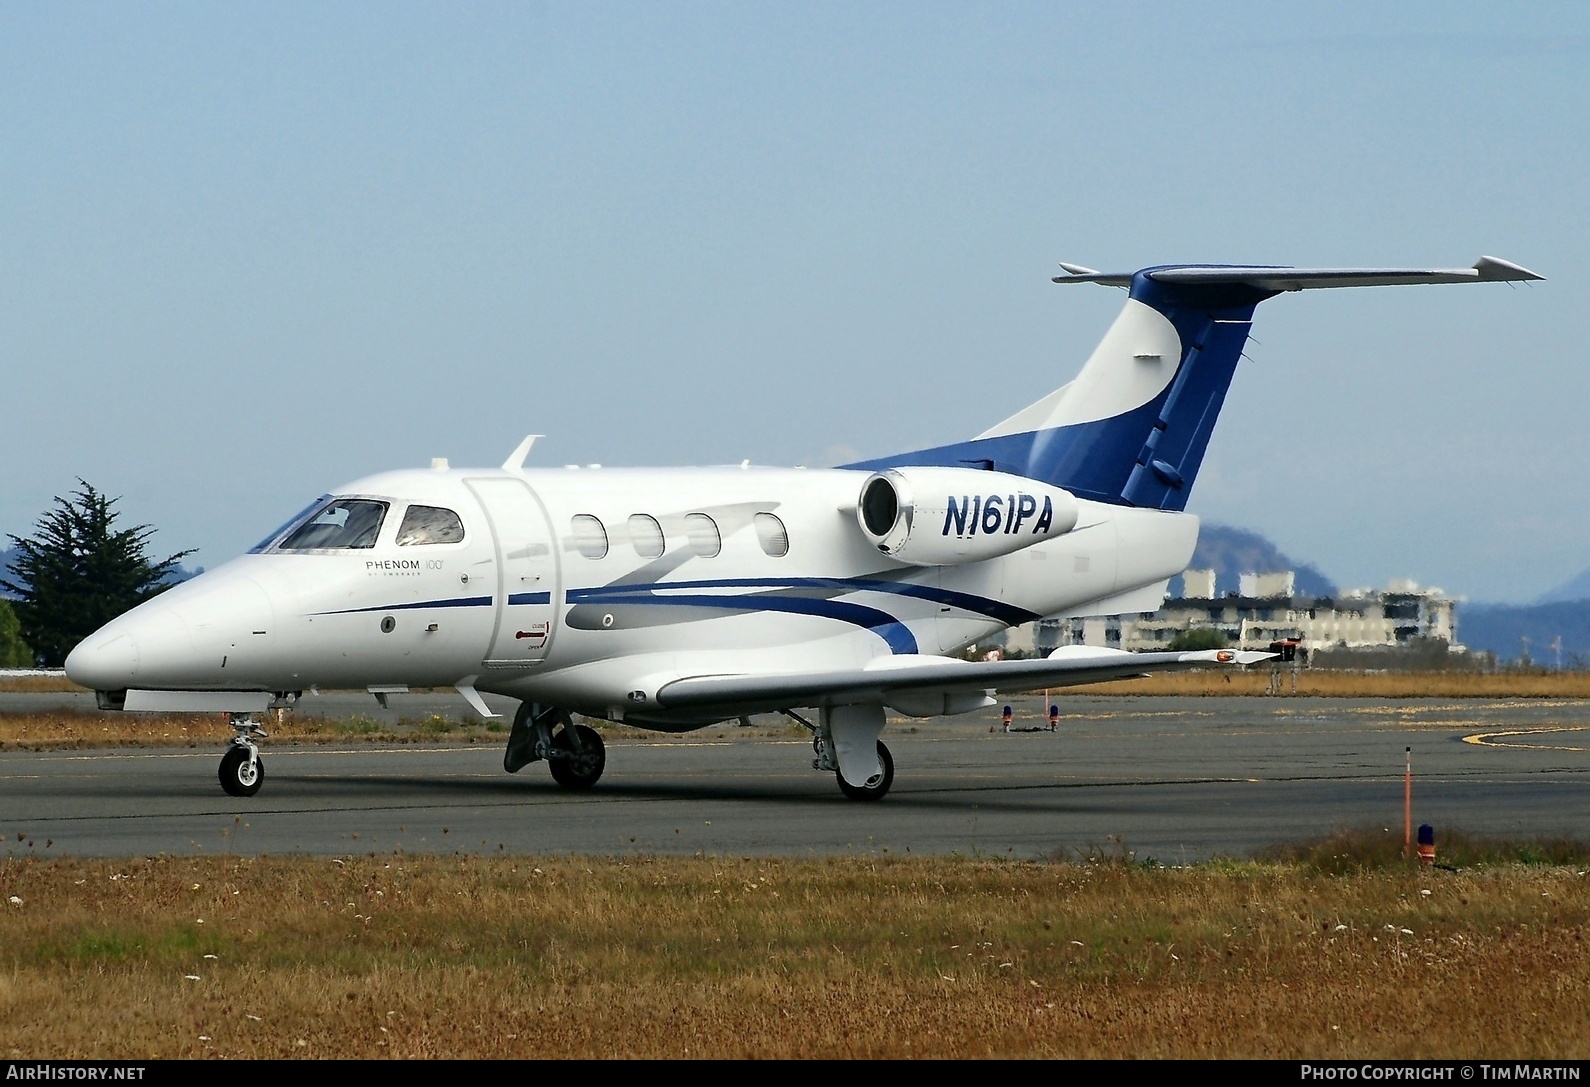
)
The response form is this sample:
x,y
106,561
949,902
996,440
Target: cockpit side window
x,y
342,523
287,525
429,525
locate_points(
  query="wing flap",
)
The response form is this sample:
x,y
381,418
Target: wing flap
x,y
905,674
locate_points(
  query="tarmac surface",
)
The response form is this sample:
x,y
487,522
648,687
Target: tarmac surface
x,y
1173,779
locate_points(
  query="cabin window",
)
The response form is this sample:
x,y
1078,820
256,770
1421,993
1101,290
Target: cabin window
x,y
429,525
342,523
647,536
590,536
702,532
771,534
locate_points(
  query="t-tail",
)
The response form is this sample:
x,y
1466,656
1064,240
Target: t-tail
x,y
1133,426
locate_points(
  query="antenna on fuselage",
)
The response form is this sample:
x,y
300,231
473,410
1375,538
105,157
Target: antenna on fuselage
x,y
515,459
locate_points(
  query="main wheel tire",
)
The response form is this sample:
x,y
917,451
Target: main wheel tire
x,y
875,788
583,764
239,777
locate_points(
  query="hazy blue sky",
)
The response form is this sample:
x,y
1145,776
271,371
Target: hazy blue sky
x,y
249,252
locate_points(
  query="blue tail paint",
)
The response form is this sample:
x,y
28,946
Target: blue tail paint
x,y
1149,454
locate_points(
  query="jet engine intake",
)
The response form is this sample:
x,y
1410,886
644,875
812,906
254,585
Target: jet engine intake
x,y
947,516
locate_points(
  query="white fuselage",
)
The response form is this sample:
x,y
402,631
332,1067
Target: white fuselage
x,y
760,570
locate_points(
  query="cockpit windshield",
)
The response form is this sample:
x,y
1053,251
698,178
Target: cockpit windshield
x,y
292,522
341,523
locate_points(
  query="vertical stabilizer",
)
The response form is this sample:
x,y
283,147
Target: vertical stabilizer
x,y
1132,429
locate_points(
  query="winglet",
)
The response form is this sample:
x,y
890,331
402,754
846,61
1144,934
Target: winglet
x,y
515,459
1496,269
1077,273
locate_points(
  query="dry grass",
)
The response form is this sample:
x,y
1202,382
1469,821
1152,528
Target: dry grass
x,y
67,729
39,684
1323,684
401,956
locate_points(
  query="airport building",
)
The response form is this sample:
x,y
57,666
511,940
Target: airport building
x,y
1264,608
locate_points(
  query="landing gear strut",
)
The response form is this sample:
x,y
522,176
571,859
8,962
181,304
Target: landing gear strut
x,y
823,746
242,770
574,753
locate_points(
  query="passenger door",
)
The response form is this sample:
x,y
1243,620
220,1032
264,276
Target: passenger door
x,y
527,596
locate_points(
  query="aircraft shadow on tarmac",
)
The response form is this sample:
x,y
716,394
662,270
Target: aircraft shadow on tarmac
x,y
365,790
286,793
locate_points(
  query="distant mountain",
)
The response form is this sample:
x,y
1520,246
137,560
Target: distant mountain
x,y
1512,630
1575,589
1232,552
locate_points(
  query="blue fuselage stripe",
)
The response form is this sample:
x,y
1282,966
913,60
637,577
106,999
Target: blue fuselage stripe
x,y
782,595
886,626
1009,614
456,602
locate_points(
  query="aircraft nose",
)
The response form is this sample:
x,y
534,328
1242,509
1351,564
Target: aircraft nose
x,y
106,660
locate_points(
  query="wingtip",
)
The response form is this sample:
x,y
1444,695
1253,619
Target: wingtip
x,y
1495,268
1241,657
1079,273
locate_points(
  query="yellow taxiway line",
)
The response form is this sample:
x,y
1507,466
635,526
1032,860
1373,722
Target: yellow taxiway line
x,y
1489,739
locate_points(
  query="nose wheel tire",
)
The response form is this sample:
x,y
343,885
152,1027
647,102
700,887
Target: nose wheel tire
x,y
240,774
875,787
579,759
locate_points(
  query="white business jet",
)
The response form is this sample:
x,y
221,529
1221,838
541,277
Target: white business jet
x,y
672,599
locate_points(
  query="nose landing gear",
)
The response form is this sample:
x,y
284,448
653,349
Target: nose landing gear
x,y
242,770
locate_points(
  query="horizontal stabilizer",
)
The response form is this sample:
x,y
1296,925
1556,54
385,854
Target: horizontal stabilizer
x,y
1276,279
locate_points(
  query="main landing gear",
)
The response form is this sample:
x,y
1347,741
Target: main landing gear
x,y
574,753
874,787
840,743
242,770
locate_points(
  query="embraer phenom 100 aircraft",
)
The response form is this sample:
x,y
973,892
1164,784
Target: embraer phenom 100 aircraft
x,y
672,599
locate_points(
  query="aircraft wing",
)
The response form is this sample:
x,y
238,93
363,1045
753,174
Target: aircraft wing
x,y
924,675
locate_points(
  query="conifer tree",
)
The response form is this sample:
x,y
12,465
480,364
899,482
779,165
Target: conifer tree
x,y
79,571
14,652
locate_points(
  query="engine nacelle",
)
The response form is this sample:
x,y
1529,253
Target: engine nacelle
x,y
947,516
